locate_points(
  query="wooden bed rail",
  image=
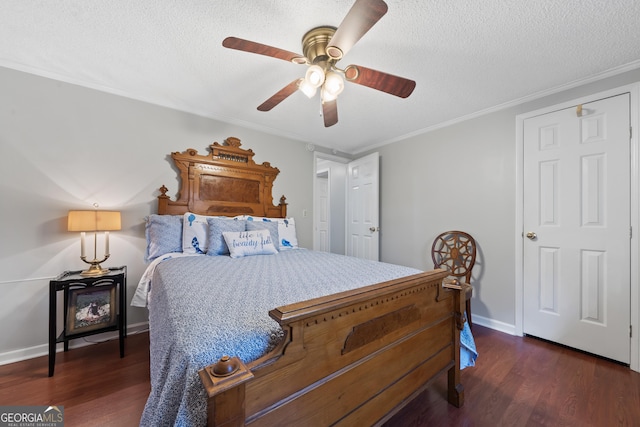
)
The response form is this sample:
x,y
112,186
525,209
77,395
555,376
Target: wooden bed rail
x,y
352,358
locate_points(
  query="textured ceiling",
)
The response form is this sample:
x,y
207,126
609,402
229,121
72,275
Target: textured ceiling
x,y
466,56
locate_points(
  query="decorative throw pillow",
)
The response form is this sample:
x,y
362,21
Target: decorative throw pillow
x,y
287,233
287,238
265,225
217,245
245,243
194,233
164,235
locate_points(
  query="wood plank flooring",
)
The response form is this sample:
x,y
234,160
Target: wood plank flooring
x,y
516,382
95,386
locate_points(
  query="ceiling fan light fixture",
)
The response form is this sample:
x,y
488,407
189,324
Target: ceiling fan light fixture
x,y
322,48
306,88
314,76
333,84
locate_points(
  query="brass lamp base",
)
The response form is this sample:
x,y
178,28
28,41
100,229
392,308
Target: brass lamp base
x,y
94,271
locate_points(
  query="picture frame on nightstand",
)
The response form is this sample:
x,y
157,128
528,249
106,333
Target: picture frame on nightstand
x,y
91,309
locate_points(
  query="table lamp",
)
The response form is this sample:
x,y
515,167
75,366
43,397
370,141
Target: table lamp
x,y
95,221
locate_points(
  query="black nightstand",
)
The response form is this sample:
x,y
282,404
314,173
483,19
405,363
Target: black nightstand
x,y
92,305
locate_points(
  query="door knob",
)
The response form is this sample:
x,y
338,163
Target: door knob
x,y
531,235
373,229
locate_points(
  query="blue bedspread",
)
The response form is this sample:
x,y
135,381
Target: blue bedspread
x,y
196,318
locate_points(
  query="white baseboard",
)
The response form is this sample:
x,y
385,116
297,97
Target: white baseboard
x,y
494,324
43,349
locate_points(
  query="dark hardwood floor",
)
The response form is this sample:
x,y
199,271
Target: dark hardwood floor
x,y
95,386
516,382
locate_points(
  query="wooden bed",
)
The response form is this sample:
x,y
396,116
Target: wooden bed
x,y
353,358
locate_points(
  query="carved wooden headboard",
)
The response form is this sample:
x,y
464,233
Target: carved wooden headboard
x,y
227,182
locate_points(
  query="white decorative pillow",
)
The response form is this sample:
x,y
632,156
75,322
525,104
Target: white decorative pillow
x,y
287,238
287,233
195,230
217,226
246,243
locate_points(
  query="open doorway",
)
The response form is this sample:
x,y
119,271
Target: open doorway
x,y
329,203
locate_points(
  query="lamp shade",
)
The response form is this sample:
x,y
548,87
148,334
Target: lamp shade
x,y
93,221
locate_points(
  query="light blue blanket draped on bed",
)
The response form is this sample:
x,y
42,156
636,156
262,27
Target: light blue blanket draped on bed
x,y
197,318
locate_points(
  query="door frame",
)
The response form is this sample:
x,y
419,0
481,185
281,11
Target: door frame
x,y
634,92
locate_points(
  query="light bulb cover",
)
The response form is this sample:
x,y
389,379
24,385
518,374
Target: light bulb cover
x,y
306,88
314,76
327,96
333,84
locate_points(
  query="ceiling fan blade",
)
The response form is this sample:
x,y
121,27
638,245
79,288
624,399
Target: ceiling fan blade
x,y
394,85
263,49
330,113
361,17
279,96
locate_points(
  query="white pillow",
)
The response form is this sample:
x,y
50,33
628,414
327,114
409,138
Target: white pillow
x,y
287,238
245,243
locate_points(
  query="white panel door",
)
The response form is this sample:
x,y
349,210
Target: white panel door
x,y
577,227
362,208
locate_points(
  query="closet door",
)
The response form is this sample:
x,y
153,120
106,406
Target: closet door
x,y
577,227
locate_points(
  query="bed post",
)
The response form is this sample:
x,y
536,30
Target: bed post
x,y
224,383
283,207
163,200
455,388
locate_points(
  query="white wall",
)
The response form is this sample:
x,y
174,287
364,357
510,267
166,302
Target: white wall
x,y
65,147
463,177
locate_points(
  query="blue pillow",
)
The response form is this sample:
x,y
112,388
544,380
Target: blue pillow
x,y
164,235
272,226
217,226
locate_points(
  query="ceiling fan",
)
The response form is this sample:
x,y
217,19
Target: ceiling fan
x,y
323,47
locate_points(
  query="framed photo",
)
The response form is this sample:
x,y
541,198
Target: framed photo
x,y
91,308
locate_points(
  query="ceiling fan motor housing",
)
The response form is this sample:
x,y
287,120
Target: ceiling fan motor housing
x,y
314,44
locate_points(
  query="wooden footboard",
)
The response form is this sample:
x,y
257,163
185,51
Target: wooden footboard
x,y
353,358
